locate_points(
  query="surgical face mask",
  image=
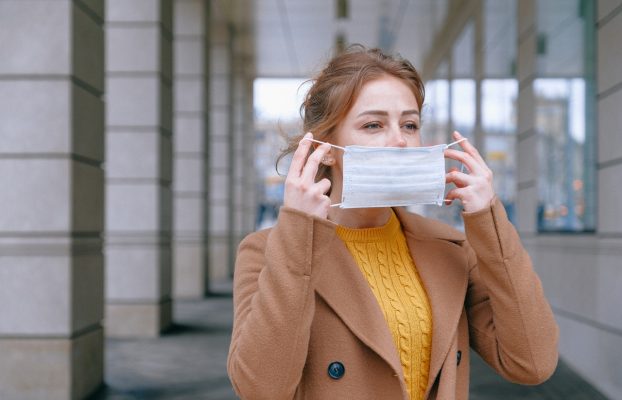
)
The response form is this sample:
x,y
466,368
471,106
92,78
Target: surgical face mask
x,y
392,176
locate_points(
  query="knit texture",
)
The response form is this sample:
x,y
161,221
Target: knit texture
x,y
384,259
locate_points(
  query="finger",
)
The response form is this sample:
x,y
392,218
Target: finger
x,y
323,185
469,148
459,179
466,159
453,169
310,169
300,155
455,194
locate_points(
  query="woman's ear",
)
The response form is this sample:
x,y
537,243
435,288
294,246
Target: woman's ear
x,y
328,159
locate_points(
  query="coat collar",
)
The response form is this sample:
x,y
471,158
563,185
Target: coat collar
x,y
441,263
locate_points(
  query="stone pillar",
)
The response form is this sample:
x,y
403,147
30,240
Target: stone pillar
x,y
51,154
249,193
231,169
237,160
527,139
479,54
190,194
609,97
245,190
220,128
138,168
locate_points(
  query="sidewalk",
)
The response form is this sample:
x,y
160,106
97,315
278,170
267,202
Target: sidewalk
x,y
189,363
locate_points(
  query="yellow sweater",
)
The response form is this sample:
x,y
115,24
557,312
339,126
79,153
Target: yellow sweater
x,y
384,259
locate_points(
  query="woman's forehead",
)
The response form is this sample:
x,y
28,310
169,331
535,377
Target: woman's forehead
x,y
384,94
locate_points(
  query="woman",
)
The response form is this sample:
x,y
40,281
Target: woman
x,y
376,302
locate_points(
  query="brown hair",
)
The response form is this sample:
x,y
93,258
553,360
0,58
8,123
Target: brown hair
x,y
335,89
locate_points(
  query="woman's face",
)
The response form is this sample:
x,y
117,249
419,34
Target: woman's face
x,y
385,114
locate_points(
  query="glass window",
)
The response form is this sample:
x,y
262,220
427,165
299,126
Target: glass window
x,y
463,106
435,116
461,111
499,102
462,103
564,95
499,91
499,105
275,103
435,128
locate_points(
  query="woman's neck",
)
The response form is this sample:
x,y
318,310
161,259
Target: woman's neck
x,y
357,217
360,217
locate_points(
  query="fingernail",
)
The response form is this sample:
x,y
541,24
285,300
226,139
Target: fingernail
x,y
308,134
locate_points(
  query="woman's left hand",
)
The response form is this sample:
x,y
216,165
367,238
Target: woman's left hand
x,y
474,189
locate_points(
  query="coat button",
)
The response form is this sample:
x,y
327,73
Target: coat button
x,y
336,370
459,356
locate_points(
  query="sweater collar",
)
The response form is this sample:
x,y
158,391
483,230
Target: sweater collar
x,y
376,234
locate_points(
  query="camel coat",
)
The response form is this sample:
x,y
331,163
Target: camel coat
x,y
301,304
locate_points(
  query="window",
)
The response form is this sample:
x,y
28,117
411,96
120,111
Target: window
x,y
564,103
499,97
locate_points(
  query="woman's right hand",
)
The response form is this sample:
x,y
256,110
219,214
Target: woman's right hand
x,y
301,190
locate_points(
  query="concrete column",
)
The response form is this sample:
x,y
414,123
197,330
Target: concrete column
x,y
249,192
190,191
243,136
479,54
609,95
527,139
51,153
233,178
138,169
220,123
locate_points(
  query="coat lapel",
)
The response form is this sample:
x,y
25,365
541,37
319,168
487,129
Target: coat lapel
x,y
345,290
442,266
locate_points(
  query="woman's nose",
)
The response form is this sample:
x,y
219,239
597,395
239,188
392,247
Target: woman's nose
x,y
396,138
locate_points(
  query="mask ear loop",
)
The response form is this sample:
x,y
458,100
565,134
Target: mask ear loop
x,y
455,143
461,164
320,142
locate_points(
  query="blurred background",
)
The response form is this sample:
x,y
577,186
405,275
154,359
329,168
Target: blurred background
x,y
138,142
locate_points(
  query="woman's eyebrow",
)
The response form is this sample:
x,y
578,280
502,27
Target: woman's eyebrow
x,y
381,112
373,112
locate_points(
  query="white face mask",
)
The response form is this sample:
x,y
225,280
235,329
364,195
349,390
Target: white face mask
x,y
392,176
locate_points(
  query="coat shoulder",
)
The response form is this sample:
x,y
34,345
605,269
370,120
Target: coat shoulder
x,y
255,239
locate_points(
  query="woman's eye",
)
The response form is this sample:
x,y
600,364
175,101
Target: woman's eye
x,y
372,125
411,126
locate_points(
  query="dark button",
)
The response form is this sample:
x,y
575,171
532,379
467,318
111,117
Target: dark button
x,y
459,356
336,370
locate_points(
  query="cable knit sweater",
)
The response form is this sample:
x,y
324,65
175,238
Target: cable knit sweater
x,y
382,255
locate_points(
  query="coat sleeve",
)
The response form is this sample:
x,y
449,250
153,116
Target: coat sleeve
x,y
274,302
511,324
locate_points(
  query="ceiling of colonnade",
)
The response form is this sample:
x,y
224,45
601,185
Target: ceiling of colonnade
x,y
293,38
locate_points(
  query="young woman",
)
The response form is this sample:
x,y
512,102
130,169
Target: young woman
x,y
376,302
